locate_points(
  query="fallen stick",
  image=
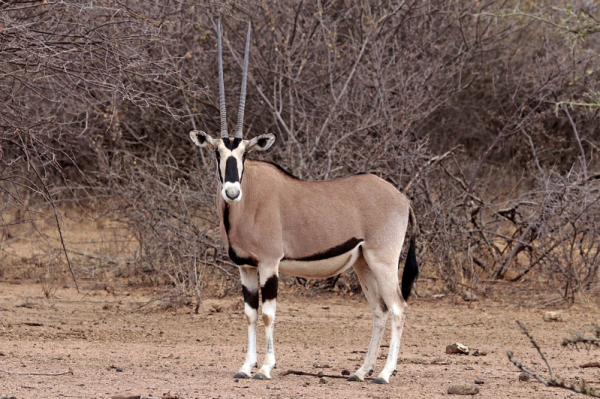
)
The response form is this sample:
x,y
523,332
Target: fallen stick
x,y
70,371
295,372
591,364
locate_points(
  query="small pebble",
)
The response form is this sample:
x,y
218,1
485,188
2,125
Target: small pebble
x,y
345,372
323,380
553,316
479,381
119,370
524,377
215,309
468,296
126,396
463,389
457,349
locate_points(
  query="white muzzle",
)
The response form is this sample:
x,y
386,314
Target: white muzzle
x,y
231,192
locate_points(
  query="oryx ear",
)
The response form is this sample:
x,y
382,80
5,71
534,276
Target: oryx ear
x,y
202,139
261,143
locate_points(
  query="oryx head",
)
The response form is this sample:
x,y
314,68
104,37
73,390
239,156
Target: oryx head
x,y
231,151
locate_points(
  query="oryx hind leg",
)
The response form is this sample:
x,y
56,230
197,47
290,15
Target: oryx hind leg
x,y
370,288
249,276
268,289
384,266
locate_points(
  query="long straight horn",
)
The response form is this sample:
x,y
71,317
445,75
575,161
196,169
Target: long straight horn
x,y
240,120
221,84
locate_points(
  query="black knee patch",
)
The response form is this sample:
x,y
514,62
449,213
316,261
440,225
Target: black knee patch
x,y
269,290
382,305
250,297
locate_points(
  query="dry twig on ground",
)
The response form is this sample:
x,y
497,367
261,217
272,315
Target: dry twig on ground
x,y
68,372
320,374
578,340
553,381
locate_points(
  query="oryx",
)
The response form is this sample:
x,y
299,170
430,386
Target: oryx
x,y
272,222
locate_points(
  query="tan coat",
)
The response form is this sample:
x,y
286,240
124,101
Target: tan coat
x,y
283,218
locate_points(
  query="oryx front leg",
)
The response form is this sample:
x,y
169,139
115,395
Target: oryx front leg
x,y
249,277
268,290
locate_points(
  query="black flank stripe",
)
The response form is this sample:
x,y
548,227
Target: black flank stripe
x,y
269,290
331,252
250,297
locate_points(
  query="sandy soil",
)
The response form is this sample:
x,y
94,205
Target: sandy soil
x,y
114,345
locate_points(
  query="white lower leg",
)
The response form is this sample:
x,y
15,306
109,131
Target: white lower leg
x,y
268,289
397,314
250,290
370,288
379,321
268,313
251,360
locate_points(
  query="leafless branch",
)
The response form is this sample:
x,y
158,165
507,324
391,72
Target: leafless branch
x,y
553,381
68,372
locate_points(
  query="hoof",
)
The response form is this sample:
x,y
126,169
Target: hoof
x,y
353,378
259,376
239,374
379,380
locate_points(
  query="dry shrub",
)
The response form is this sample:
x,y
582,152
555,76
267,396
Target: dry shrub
x,y
483,113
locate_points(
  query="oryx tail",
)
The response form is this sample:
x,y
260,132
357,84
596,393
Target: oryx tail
x,y
411,268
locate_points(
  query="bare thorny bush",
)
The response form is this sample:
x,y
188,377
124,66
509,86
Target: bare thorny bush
x,y
553,380
484,114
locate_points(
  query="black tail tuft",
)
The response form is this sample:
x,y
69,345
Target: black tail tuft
x,y
411,270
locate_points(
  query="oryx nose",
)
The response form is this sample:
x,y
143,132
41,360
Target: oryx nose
x,y
232,192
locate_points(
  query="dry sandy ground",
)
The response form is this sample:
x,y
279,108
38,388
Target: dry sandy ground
x,y
195,355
